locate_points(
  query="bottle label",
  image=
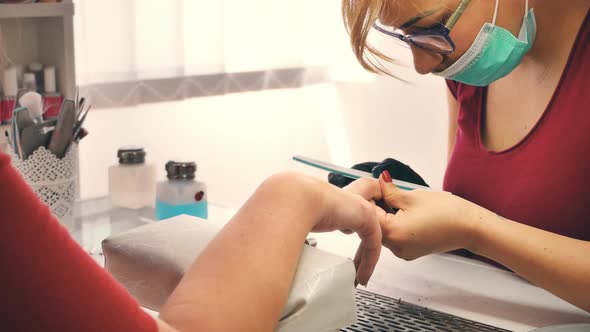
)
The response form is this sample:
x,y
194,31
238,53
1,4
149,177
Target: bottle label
x,y
166,210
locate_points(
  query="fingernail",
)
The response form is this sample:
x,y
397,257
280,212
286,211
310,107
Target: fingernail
x,y
386,176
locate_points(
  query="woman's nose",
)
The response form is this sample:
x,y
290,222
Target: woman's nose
x,y
425,61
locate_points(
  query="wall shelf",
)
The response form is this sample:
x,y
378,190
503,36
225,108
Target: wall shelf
x,y
44,33
41,33
36,10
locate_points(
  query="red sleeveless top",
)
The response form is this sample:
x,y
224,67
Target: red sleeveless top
x,y
543,180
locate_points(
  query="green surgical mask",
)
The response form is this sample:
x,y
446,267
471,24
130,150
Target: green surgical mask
x,y
494,53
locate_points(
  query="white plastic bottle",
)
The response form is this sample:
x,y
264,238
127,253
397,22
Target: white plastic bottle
x,y
181,193
132,182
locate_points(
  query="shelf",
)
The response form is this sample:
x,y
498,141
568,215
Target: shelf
x,y
36,10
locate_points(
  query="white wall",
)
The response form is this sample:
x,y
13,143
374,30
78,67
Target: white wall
x,y
238,140
389,118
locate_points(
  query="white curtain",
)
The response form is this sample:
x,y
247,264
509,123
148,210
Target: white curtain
x,y
134,51
164,74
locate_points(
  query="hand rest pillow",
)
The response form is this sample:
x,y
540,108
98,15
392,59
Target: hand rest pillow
x,y
150,261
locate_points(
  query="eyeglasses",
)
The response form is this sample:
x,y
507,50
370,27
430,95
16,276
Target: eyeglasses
x,y
435,39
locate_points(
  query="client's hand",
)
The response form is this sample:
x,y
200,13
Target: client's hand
x,y
247,270
352,209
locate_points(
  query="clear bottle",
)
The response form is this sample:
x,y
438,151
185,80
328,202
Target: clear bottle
x,y
52,100
10,88
30,82
132,183
181,193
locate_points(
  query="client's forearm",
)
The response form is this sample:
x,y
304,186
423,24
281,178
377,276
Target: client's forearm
x,y
557,263
242,279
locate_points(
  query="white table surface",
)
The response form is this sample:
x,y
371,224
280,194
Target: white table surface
x,y
462,287
448,283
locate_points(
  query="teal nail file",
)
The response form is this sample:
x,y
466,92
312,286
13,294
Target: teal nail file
x,y
352,173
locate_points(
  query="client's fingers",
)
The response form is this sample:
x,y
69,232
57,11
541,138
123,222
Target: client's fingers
x,y
358,256
357,261
369,189
369,250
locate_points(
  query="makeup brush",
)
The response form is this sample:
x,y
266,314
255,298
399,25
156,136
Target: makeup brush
x,y
34,103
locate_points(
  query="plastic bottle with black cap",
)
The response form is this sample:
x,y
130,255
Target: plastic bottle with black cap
x,y
181,193
132,182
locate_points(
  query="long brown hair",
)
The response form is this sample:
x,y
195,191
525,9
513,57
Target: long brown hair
x,y
359,17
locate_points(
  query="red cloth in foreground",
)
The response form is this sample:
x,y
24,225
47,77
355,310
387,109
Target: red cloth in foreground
x,y
47,282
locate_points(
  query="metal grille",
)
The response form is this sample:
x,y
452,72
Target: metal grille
x,y
377,313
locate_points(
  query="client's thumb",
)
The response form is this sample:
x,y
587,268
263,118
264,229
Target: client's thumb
x,y
392,195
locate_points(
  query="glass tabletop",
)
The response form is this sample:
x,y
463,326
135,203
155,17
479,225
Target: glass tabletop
x,y
96,219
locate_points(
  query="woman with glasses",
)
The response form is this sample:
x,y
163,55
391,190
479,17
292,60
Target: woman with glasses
x,y
50,284
518,77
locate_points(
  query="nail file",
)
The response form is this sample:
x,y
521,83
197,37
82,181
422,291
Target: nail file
x,y
353,173
37,136
21,119
64,128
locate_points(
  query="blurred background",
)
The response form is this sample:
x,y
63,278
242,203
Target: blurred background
x,y
241,86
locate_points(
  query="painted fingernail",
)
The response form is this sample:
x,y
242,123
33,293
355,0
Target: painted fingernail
x,y
386,176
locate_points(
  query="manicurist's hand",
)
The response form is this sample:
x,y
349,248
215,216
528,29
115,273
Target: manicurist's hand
x,y
431,222
427,222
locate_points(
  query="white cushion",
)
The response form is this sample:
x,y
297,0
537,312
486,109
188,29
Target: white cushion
x,y
150,261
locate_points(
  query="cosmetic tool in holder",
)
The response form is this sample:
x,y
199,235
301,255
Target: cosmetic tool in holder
x,y
45,153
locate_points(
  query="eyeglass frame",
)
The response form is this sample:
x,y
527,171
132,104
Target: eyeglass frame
x,y
441,29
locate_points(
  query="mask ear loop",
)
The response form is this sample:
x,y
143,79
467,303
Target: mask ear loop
x,y
495,13
526,9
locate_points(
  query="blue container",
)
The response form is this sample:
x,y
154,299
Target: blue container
x,y
181,193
